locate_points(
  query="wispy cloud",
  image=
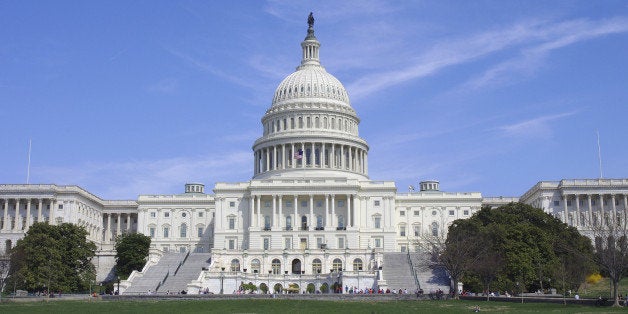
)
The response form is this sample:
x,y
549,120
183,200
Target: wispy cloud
x,y
539,126
127,179
552,37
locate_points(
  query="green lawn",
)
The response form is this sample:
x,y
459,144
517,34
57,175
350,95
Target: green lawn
x,y
292,306
602,288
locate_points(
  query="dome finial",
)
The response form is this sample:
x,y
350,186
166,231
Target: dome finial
x,y
310,20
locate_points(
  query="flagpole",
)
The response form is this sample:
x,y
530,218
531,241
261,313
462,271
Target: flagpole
x,y
599,152
28,169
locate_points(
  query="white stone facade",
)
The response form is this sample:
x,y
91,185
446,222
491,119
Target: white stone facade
x,y
309,211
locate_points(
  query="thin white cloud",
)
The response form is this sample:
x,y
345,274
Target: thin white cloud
x,y
537,127
129,178
553,37
165,86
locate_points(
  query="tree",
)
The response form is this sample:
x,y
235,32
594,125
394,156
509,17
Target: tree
x,y
611,248
131,253
518,242
54,258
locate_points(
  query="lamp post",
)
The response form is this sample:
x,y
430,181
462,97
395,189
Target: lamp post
x,y
317,282
222,279
300,275
118,292
358,280
268,286
285,273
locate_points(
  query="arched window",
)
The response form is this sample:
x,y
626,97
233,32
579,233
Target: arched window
x,y
183,232
317,266
303,222
357,264
235,265
276,266
336,265
255,266
300,122
435,229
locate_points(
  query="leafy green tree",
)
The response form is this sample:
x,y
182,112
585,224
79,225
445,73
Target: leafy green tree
x,y
54,258
525,246
131,253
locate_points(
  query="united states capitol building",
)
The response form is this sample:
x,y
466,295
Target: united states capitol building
x,y
310,215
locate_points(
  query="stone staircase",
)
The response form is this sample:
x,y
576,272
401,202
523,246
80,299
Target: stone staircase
x,y
397,272
154,275
189,270
431,278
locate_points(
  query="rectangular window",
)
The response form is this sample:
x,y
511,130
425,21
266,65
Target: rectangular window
x,y
231,244
319,242
402,231
60,206
466,212
556,203
319,203
592,202
341,243
200,214
402,213
287,243
151,230
451,213
153,214
378,242
200,232
376,203
416,213
288,204
378,222
232,204
303,203
404,248
417,231
266,204
266,243
166,232
568,203
231,223
341,203
166,214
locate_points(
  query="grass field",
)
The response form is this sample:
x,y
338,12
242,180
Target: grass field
x,y
292,306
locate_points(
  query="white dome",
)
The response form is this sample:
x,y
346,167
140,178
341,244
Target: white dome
x,y
311,83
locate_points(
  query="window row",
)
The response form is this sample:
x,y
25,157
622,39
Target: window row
x,y
166,214
295,267
183,231
310,122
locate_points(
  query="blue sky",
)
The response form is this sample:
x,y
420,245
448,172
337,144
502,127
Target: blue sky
x,y
138,97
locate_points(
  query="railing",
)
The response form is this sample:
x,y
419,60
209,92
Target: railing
x,y
416,279
161,283
181,263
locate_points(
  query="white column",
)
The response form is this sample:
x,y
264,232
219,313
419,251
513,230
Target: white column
x,y
613,209
283,156
293,160
311,222
281,225
342,157
350,158
323,155
39,209
128,223
108,230
119,219
6,215
565,213
366,162
327,215
333,210
274,216
28,214
251,211
303,157
52,213
578,222
259,210
295,221
332,160
18,220
590,209
349,211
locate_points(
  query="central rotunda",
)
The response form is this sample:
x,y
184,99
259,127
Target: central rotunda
x,y
311,128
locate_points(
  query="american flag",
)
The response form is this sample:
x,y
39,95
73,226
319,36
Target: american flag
x,y
298,155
